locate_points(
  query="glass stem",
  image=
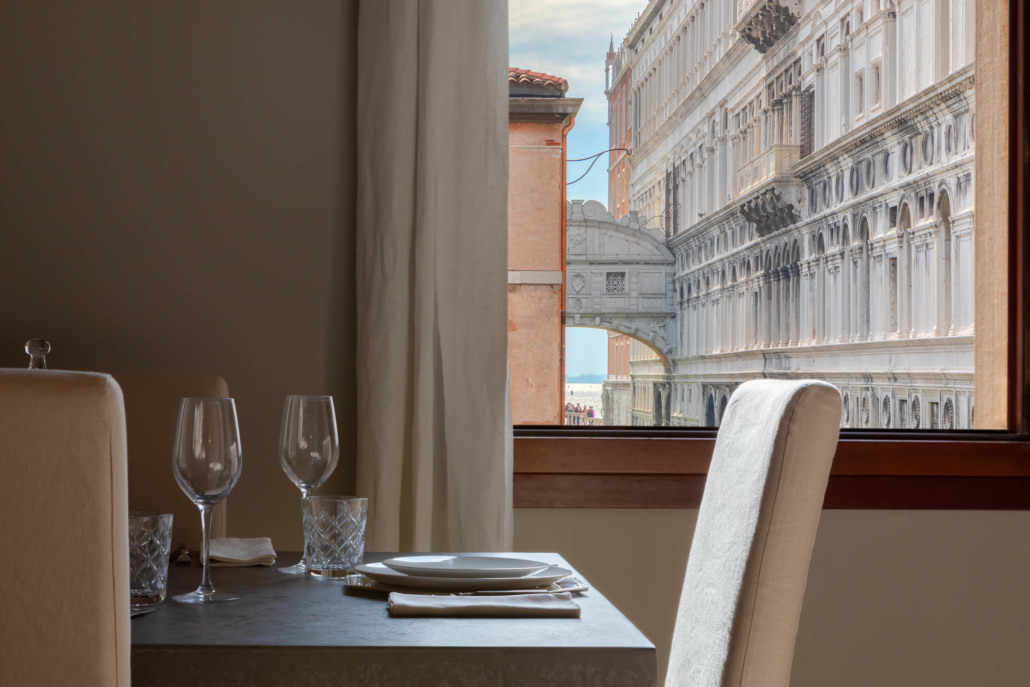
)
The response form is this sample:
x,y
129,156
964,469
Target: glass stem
x,y
205,542
303,562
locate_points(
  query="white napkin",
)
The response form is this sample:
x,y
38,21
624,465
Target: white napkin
x,y
536,605
233,552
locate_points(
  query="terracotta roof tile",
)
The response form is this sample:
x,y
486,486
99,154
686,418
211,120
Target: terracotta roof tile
x,y
525,81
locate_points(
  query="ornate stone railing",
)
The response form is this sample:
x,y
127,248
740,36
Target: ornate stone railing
x,y
777,161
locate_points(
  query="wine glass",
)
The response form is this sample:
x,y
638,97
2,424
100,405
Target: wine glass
x,y
309,449
207,462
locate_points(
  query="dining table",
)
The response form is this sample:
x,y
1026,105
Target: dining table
x,y
300,631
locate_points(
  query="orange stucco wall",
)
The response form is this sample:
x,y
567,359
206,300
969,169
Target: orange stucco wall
x,y
534,353
620,135
536,218
618,355
536,196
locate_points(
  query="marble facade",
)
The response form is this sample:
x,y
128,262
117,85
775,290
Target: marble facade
x,y
810,166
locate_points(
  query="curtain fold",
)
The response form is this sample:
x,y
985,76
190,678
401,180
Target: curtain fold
x,y
434,430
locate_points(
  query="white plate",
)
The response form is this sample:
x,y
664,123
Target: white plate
x,y
543,578
464,566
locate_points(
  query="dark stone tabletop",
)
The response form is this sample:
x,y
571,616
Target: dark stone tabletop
x,y
296,630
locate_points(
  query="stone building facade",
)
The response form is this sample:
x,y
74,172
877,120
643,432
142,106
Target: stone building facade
x,y
811,165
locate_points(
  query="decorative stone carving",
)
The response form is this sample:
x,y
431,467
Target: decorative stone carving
x,y
768,212
767,22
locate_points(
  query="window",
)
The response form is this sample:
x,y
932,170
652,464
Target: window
x,y
876,84
900,408
615,282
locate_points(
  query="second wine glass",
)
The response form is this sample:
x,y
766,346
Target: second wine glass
x,y
309,449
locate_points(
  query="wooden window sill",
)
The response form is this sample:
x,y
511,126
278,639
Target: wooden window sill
x,y
559,468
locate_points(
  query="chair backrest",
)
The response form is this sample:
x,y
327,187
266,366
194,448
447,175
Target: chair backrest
x,y
745,581
64,618
151,411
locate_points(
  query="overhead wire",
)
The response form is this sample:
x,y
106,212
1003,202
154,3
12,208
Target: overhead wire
x,y
594,157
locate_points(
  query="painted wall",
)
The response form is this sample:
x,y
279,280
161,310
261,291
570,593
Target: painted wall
x,y
894,598
177,193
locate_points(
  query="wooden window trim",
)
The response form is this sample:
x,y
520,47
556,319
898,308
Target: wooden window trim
x,y
652,468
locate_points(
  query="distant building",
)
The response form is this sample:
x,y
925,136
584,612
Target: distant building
x,y
540,117
620,133
616,408
811,167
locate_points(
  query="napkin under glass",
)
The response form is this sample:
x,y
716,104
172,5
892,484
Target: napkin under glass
x,y
535,605
226,552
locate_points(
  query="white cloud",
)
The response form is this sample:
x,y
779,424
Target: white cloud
x,y
569,18
569,39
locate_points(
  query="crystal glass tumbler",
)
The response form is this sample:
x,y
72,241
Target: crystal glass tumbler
x,y
334,533
150,540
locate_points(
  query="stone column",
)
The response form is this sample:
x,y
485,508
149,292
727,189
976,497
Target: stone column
x,y
795,304
722,191
833,310
962,271
844,63
819,125
795,112
805,321
889,70
733,154
764,305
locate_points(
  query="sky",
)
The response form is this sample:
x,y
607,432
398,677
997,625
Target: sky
x,y
569,38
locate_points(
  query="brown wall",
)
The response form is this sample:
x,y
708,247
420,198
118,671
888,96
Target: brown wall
x,y
176,187
894,598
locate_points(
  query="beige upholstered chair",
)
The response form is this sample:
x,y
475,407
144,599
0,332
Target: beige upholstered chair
x,y
64,618
151,410
741,600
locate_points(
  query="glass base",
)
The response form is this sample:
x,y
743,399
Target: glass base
x,y
300,568
331,573
198,596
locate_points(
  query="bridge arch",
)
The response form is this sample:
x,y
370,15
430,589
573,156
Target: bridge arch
x,y
619,276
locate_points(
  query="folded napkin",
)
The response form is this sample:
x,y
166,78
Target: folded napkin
x,y
233,552
537,605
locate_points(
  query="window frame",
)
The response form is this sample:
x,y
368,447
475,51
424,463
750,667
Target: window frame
x,y
626,467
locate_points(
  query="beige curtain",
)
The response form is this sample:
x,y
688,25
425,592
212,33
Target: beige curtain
x,y
434,431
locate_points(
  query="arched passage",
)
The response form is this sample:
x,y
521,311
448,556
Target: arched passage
x,y
636,389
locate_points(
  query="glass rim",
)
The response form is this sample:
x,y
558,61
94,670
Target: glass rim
x,y
207,398
332,497
140,513
318,396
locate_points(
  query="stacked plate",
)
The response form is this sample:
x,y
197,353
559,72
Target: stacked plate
x,y
464,573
